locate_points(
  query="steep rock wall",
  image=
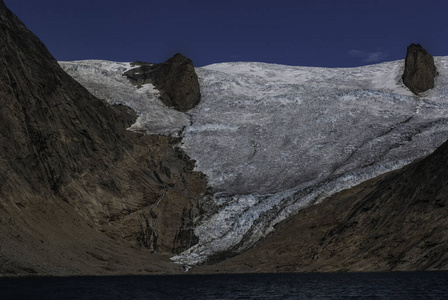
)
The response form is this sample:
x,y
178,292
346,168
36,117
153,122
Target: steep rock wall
x,y
61,146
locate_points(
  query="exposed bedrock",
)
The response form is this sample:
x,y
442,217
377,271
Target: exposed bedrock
x,y
420,71
175,79
70,171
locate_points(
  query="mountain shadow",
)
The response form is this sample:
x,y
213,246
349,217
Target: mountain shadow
x,y
78,192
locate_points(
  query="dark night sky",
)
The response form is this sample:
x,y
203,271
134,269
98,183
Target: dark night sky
x,y
328,33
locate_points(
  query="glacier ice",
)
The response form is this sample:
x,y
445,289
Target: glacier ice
x,y
272,138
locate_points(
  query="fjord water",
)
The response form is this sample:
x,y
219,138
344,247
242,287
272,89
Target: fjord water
x,y
405,285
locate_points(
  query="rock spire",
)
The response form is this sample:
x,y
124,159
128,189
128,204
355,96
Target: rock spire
x,y
420,71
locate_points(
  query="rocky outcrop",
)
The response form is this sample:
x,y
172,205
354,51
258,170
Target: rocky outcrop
x,y
175,79
73,179
420,71
395,222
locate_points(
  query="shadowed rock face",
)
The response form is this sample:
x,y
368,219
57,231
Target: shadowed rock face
x,y
419,72
70,171
175,79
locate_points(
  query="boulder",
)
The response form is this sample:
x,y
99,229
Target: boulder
x,y
175,79
420,71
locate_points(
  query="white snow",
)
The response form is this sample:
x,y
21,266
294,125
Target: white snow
x,y
295,124
272,138
105,80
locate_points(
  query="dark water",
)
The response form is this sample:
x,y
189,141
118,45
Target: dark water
x,y
431,285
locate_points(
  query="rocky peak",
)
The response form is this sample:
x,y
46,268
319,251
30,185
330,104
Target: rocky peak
x,y
420,70
175,79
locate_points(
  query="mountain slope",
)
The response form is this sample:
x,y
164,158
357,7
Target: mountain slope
x,y
74,183
395,222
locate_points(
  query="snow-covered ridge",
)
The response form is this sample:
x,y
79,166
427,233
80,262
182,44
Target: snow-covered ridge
x,y
274,138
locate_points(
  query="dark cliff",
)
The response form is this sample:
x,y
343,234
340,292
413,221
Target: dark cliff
x,y
175,79
419,71
70,170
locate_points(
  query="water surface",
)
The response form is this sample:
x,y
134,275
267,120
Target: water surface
x,y
408,285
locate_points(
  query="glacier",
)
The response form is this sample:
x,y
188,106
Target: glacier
x,y
274,138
